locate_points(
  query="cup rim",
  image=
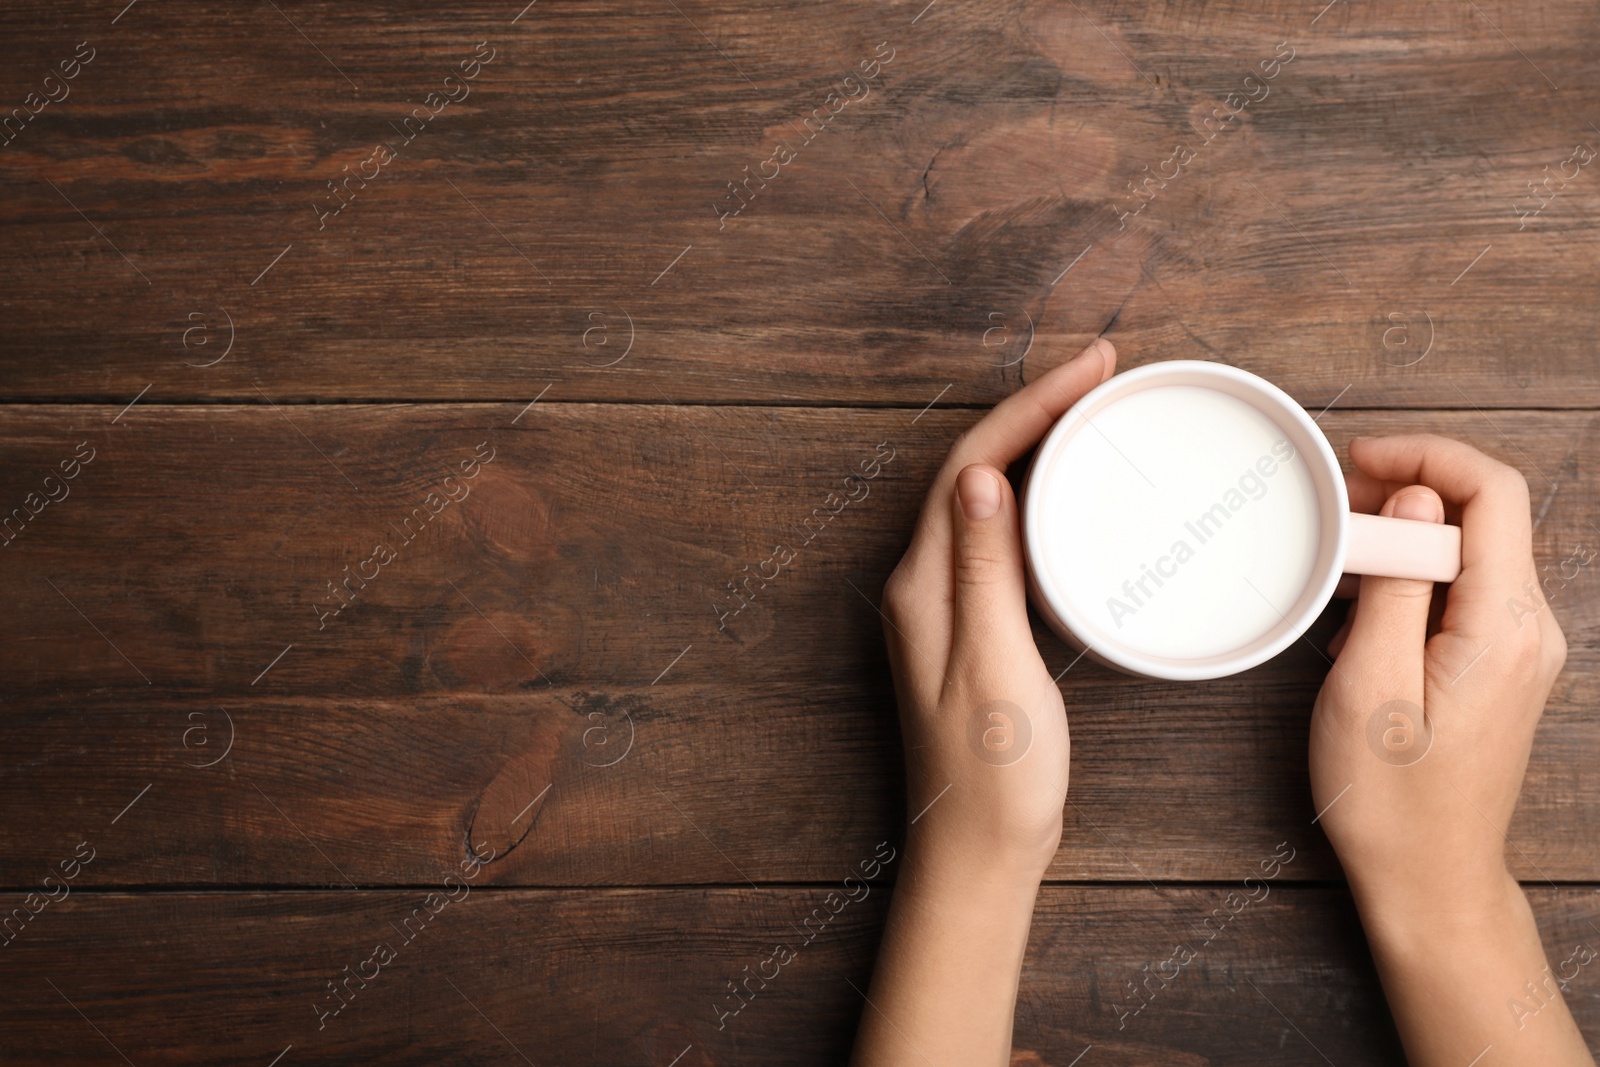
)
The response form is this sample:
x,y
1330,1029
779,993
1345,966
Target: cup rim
x,y
1277,405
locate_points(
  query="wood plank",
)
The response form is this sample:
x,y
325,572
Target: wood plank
x,y
610,977
569,596
563,213
715,787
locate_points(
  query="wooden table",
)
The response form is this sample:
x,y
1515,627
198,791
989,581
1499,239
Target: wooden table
x,y
429,375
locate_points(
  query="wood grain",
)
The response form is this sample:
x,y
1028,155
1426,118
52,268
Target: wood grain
x,y
555,629
628,976
1360,214
304,606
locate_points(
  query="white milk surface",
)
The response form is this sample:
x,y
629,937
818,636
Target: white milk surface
x,y
1181,522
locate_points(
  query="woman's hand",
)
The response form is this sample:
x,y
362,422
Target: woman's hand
x,y
986,750
984,726
1418,749
1427,737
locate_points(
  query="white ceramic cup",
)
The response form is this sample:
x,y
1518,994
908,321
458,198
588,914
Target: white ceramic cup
x,y
1188,520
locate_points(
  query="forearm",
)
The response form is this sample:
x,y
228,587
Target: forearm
x,y
1468,977
945,987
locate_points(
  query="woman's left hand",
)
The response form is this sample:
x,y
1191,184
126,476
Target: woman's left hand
x,y
984,725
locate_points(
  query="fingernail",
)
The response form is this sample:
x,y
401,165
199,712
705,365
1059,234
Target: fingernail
x,y
979,492
1098,348
1108,352
1423,507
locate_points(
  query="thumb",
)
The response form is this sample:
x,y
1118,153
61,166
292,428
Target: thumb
x,y
1389,629
991,612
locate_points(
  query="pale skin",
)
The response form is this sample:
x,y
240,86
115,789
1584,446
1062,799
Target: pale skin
x,y
1422,844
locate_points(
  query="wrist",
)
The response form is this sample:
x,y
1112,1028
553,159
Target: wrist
x,y
968,860
955,866
987,839
1415,917
952,953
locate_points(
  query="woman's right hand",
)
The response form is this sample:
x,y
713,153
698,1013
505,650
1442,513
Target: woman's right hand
x,y
1419,743
1418,748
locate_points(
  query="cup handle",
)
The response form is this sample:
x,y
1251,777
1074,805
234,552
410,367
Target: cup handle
x,y
1403,548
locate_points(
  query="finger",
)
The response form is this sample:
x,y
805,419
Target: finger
x,y
1341,635
1017,422
991,613
1000,437
1367,494
1389,620
1349,587
1496,533
1496,527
